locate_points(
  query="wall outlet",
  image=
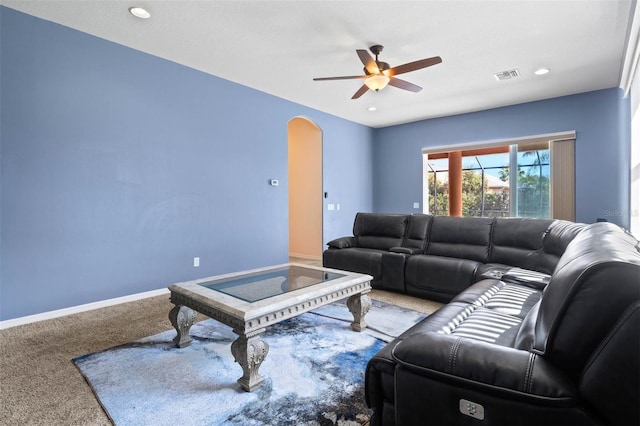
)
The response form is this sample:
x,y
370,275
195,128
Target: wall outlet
x,y
416,205
196,262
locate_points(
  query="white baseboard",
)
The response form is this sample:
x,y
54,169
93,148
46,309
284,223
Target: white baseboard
x,y
80,308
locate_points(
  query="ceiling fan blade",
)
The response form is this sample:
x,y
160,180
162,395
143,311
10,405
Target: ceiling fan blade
x,y
412,66
346,77
369,64
402,84
361,91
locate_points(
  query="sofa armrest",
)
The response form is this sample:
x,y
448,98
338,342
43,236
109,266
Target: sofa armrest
x,y
494,368
537,280
343,242
406,250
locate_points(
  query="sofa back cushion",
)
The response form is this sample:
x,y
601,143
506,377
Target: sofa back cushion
x,y
556,240
518,241
417,230
595,282
379,231
461,237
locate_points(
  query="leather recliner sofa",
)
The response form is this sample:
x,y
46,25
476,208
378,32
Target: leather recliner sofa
x,y
555,340
436,257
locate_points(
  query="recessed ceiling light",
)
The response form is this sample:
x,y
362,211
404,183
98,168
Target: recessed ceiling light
x,y
372,108
541,71
139,12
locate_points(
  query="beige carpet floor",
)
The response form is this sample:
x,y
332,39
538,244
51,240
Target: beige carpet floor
x,y
39,385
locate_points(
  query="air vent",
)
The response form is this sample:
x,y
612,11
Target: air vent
x,y
506,75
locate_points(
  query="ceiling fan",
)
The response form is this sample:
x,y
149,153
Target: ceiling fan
x,y
378,74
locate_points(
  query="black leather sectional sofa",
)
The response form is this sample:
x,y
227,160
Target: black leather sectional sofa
x,y
436,257
542,325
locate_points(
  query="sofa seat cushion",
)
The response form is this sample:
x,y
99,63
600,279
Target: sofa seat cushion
x,y
438,277
511,299
356,259
494,312
485,325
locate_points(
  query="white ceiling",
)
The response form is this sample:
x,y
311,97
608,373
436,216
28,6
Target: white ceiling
x,y
279,46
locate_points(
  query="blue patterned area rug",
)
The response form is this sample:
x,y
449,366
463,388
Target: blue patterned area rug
x,y
314,372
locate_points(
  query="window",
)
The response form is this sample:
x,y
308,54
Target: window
x,y
485,184
501,180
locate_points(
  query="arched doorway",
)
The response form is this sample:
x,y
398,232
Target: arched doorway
x,y
305,188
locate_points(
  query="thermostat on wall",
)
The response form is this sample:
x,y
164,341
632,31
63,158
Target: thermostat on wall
x,y
274,182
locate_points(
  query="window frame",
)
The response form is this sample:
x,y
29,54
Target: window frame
x,y
562,199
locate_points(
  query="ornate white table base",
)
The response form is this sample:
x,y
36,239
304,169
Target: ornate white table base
x,y
249,350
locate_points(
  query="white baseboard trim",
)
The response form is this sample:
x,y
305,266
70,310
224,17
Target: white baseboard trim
x,y
80,308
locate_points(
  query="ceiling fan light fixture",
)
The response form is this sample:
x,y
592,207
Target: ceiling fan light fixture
x,y
377,82
377,74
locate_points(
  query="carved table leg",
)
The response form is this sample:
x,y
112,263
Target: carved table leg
x,y
359,305
182,318
249,350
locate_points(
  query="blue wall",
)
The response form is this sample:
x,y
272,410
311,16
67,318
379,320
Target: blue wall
x,y
600,119
119,167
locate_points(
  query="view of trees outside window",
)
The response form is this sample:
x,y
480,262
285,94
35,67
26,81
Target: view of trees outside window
x,y
534,193
486,186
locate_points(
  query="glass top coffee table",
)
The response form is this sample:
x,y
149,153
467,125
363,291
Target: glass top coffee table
x,y
250,301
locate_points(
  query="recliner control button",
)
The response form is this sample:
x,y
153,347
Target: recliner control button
x,y
472,409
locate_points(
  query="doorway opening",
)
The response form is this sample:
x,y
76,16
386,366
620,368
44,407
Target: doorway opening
x,y
305,188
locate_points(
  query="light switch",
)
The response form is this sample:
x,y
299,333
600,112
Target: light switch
x,y
331,207
416,205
